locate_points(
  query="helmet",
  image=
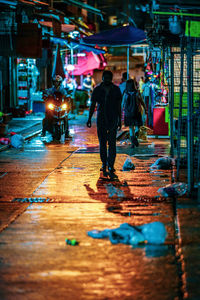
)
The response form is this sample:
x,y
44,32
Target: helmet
x,y
57,80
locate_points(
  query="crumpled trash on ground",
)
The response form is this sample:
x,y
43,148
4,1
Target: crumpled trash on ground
x,y
152,145
152,233
128,165
125,142
4,141
17,141
163,163
113,191
175,189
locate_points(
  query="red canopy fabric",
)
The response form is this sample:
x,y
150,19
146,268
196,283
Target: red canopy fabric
x,y
86,64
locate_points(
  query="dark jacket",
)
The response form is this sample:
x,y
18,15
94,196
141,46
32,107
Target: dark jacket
x,y
53,90
108,99
131,106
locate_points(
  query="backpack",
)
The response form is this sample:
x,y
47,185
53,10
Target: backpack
x,y
131,104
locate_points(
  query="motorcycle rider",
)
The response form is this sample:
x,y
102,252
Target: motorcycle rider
x,y
57,82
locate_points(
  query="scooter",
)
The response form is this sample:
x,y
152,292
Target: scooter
x,y
57,107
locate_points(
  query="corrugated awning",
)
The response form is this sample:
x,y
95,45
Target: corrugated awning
x,y
84,6
64,27
40,3
76,45
8,2
34,2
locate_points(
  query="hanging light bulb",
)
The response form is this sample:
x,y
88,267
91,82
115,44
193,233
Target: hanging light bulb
x,y
174,25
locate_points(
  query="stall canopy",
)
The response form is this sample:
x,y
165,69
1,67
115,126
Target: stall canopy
x,y
121,36
76,45
93,58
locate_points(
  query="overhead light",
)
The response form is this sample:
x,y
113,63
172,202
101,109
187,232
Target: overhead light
x,y
74,34
70,68
81,54
174,25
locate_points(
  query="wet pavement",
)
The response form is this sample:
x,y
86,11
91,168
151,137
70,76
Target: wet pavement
x,y
51,191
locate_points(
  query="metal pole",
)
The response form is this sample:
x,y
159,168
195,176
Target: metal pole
x,y
72,62
180,112
1,91
171,106
189,119
10,82
198,156
128,53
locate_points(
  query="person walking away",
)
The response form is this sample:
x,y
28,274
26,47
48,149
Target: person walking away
x,y
147,101
88,86
122,85
132,104
108,98
141,83
88,83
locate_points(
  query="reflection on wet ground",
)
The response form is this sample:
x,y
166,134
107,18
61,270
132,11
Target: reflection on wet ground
x,y
94,269
35,261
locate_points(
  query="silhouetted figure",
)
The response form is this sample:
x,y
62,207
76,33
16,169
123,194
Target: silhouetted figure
x,y
122,85
107,96
132,104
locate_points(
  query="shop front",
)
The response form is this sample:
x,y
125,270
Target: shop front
x,y
156,92
27,83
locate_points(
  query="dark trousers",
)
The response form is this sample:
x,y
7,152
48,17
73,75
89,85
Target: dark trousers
x,y
107,136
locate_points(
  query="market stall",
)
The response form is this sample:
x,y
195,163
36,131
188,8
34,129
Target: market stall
x,y
156,72
117,37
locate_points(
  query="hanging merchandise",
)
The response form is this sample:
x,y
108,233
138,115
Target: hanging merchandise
x,y
27,81
23,92
156,91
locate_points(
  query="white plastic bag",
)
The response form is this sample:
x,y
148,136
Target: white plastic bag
x,y
128,165
163,163
152,233
17,141
175,189
151,146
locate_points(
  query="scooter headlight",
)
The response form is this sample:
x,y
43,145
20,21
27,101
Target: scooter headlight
x,y
64,106
51,106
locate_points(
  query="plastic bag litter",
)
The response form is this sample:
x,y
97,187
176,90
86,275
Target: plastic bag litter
x,y
128,165
4,141
164,163
152,145
125,142
175,189
17,141
113,191
153,233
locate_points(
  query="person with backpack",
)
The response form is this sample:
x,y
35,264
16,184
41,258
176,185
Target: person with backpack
x,y
133,105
